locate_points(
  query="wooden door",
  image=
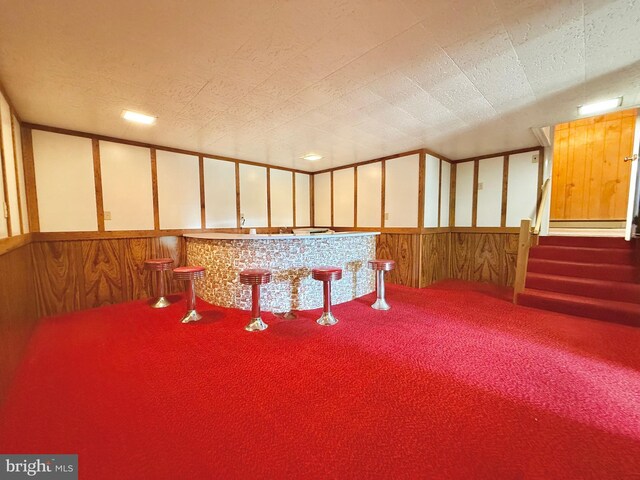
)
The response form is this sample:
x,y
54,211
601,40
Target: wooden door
x,y
590,176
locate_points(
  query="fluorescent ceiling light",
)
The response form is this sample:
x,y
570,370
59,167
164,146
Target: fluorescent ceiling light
x,y
597,107
138,117
312,157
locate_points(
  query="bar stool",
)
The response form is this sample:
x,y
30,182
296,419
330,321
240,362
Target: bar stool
x,y
381,266
160,265
326,275
190,274
255,277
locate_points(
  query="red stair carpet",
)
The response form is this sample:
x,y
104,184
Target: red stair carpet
x,y
455,382
595,277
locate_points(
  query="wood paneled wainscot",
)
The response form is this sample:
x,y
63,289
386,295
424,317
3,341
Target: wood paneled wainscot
x,y
79,274
484,257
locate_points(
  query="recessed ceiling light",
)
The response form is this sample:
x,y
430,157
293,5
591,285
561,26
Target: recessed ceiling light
x,y
312,157
597,107
138,117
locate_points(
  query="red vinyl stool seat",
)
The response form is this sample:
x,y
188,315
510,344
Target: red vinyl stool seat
x,y
190,275
159,265
380,266
255,277
327,275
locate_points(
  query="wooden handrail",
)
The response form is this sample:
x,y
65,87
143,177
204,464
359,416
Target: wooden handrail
x,y
524,243
543,201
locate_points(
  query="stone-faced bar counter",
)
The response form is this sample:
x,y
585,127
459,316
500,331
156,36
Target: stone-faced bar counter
x,y
290,259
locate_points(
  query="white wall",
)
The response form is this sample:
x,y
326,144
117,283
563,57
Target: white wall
x,y
369,195
343,191
220,193
401,191
444,193
178,190
4,232
464,194
322,199
303,200
522,188
431,191
281,191
10,166
489,210
21,180
64,182
253,195
127,192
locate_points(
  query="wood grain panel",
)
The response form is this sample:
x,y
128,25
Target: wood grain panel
x,y
102,274
59,283
590,177
484,257
404,249
18,313
134,251
435,259
488,261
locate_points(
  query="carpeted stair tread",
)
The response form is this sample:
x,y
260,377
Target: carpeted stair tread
x,y
610,310
583,254
603,271
591,242
588,287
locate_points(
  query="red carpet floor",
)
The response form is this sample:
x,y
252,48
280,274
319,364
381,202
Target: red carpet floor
x,y
454,382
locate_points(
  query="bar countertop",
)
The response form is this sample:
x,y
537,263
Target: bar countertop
x,y
275,236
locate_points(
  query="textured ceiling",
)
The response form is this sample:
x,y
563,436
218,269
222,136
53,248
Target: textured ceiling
x,y
270,81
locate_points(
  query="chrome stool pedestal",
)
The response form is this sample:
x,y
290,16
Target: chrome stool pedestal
x,y
381,266
326,275
159,265
190,275
255,277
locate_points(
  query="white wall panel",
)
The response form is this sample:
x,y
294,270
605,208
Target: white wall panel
x,y
464,194
220,193
253,195
322,199
401,191
10,166
489,209
522,188
431,191
369,195
178,190
303,200
127,190
444,194
343,191
65,182
21,181
281,198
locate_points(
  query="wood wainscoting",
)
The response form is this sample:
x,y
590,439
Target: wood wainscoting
x,y
79,274
484,257
18,313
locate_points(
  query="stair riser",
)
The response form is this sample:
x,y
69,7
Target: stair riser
x,y
589,242
574,308
617,257
616,273
625,292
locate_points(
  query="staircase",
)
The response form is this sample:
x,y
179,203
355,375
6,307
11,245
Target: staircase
x,y
595,277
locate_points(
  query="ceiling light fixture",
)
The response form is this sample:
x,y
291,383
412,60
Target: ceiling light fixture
x,y
138,117
312,157
597,107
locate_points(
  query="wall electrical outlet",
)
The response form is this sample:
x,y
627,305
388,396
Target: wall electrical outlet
x,y
480,185
107,215
386,216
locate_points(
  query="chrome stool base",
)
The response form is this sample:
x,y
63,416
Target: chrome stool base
x,y
191,316
381,304
160,302
256,325
327,319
